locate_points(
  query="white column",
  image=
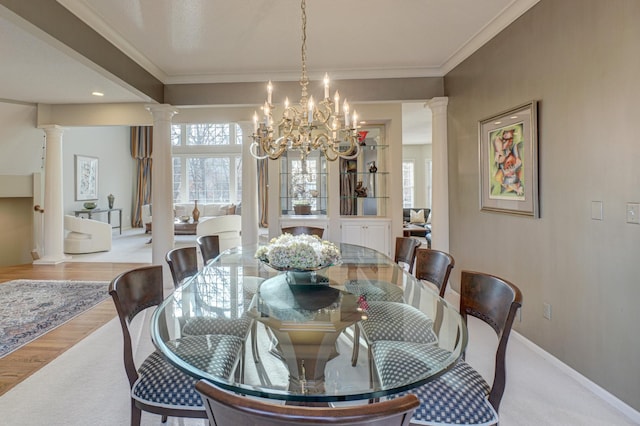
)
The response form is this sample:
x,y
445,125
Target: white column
x,y
162,188
440,173
53,202
249,189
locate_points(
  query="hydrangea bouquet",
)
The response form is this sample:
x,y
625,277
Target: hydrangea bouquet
x,y
299,252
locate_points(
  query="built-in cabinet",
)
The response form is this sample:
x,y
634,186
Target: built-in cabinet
x,y
372,233
348,198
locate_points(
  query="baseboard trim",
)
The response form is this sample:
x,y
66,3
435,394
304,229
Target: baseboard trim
x,y
596,389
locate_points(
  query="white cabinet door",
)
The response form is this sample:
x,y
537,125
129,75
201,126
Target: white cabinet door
x,y
368,233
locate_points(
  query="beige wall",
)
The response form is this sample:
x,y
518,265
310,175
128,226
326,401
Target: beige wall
x,y
580,60
16,230
419,154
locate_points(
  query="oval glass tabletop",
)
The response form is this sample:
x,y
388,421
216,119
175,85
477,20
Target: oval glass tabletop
x,y
358,330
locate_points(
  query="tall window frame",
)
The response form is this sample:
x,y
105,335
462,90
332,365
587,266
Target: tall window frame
x,y
207,162
408,183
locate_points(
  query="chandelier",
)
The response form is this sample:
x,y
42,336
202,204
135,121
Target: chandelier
x,y
308,126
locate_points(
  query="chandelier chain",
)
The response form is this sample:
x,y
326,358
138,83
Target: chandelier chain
x,y
304,80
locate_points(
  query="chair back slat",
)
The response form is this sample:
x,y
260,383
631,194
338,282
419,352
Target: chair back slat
x,y
434,266
209,247
406,251
183,262
226,408
299,230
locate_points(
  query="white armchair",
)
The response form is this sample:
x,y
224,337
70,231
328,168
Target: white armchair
x,y
86,235
227,228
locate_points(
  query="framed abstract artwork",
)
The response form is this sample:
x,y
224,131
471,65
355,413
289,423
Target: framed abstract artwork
x,y
509,161
86,169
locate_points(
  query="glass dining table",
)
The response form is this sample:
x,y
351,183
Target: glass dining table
x,y
304,326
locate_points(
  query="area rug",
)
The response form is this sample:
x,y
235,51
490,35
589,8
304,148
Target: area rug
x,y
30,308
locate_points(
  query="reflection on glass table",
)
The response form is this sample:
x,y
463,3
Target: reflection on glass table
x,y
305,327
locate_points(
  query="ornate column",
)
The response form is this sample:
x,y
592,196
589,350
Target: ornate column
x,y
162,188
249,190
440,175
53,201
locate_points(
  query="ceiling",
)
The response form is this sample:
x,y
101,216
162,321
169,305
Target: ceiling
x,y
217,41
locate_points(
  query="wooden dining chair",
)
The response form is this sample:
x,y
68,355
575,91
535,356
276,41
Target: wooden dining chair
x,y
209,247
431,265
406,251
492,300
308,230
226,408
435,267
183,262
157,386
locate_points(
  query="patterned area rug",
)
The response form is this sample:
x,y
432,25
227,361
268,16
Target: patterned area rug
x,y
29,308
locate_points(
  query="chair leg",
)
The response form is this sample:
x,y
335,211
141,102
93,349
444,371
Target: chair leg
x,y
254,342
356,345
136,414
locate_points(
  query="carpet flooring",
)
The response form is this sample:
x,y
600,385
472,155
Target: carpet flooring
x,y
29,308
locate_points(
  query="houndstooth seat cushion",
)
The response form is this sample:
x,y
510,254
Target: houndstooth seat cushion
x,y
204,325
375,290
163,385
401,322
400,363
458,397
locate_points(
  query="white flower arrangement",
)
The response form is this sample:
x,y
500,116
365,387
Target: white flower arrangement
x,y
299,252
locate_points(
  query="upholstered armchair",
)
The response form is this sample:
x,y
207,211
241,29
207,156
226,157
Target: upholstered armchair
x,y
146,217
86,235
227,228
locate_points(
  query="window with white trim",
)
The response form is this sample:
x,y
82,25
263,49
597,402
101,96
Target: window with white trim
x,y
207,163
408,180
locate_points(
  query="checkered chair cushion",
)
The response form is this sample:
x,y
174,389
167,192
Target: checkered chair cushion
x,y
399,363
375,290
161,384
458,397
401,322
230,326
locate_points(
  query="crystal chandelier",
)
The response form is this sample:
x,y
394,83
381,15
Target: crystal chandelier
x,y
308,126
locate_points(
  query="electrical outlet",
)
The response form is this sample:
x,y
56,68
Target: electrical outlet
x,y
546,310
633,213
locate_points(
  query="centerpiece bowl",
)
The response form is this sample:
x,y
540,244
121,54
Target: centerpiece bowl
x,y
90,205
301,257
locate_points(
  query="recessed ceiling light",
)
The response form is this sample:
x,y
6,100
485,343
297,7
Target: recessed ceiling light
x,y
498,122
97,93
514,116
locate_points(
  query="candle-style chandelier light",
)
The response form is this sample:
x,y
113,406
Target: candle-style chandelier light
x,y
308,126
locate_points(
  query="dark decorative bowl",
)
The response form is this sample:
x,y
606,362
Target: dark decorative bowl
x,y
90,205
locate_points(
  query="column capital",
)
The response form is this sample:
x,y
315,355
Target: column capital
x,y
438,104
161,112
52,129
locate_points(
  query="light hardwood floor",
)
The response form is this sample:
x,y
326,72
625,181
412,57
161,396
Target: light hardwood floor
x,y
20,364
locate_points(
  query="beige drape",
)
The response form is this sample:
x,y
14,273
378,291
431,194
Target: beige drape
x,y
141,149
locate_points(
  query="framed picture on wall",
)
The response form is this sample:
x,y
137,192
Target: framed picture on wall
x,y
86,169
509,161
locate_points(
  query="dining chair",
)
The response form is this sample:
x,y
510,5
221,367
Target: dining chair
x,y
406,251
209,247
183,262
492,300
435,267
431,265
157,386
298,230
226,408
